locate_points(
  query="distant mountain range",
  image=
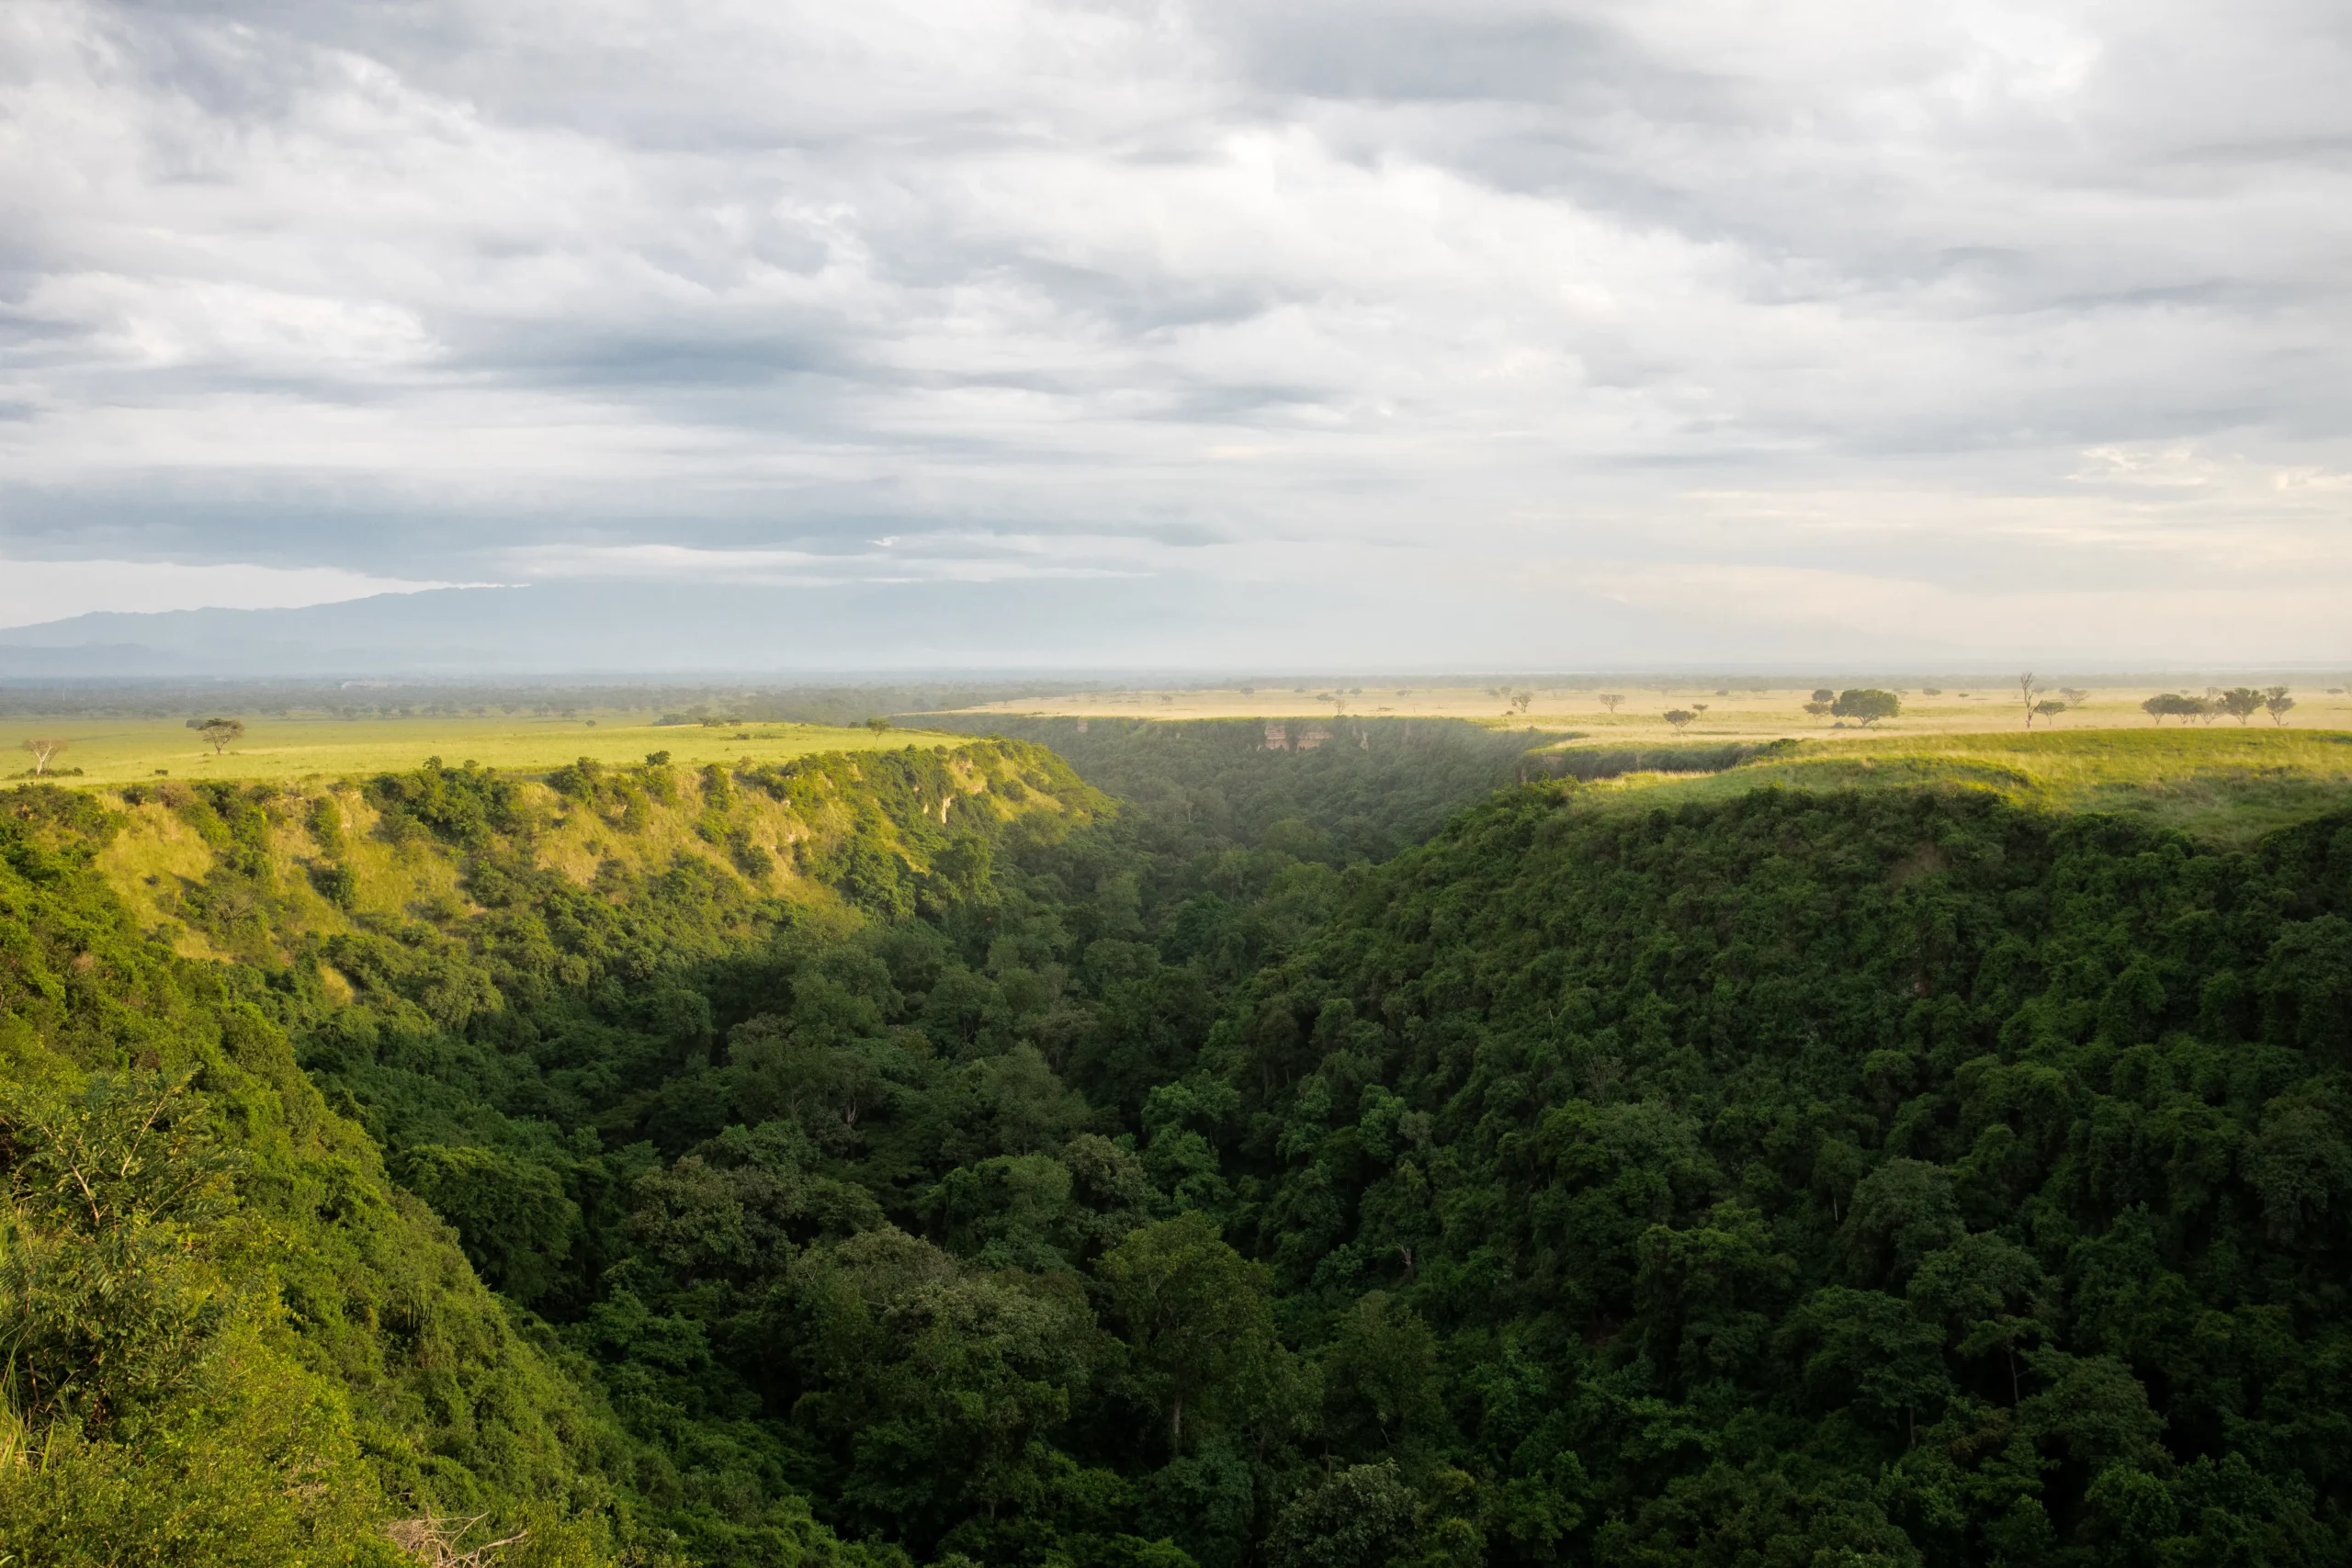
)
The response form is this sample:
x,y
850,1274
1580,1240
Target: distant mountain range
x,y
1160,623
637,628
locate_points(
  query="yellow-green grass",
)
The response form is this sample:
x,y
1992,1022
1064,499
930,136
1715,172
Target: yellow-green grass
x,y
1721,714
319,746
157,855
2220,781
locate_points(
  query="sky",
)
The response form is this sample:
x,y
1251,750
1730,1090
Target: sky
x,y
1397,332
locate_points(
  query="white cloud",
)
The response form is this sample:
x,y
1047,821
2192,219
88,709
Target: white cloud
x,y
459,290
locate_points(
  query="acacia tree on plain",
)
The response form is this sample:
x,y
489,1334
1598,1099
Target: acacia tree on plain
x,y
1866,704
44,750
2276,702
1611,699
1678,718
2240,702
2050,707
1818,708
222,733
2075,696
2029,692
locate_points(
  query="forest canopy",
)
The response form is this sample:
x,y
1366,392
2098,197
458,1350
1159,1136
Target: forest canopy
x,y
1338,1156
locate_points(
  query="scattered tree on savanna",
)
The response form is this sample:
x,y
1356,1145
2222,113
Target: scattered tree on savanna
x,y
2050,707
2240,702
1866,704
1611,699
1678,717
1699,708
1824,694
1818,708
1934,692
2029,692
2075,696
1521,699
222,733
44,751
2165,705
2275,702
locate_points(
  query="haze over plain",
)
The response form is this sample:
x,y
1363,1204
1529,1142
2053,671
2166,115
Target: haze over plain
x,y
1469,333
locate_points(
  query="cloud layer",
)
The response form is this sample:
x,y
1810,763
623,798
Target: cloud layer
x,y
1981,326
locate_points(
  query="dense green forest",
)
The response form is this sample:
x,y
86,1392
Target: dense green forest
x,y
1387,1152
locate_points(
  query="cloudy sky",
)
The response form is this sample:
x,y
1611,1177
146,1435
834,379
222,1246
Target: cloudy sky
x,y
1461,330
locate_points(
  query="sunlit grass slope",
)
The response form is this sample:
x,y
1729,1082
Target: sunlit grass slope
x,y
769,828
2221,782
118,750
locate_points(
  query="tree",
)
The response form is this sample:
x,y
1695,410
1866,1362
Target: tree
x,y
1521,699
1678,717
1866,704
2029,693
1818,710
1698,707
2075,696
2240,702
2275,702
1196,1316
2172,703
44,751
222,733
1361,1518
1824,694
2050,707
1380,1378
1611,699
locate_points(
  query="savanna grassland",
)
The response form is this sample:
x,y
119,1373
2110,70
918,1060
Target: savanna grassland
x,y
1417,1144
2225,782
1721,711
116,749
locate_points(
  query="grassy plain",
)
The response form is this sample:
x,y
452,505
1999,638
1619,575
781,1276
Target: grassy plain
x,y
2220,781
1724,713
118,751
